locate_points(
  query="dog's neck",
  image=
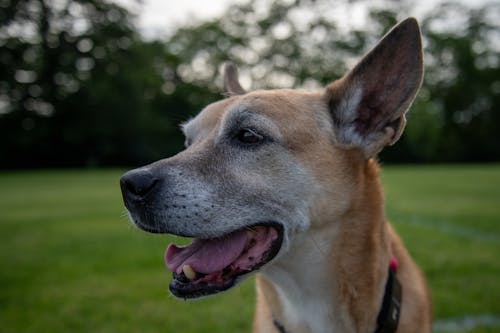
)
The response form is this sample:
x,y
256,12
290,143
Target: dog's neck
x,y
333,278
301,280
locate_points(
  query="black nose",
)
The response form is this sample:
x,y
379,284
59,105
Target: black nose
x,y
137,183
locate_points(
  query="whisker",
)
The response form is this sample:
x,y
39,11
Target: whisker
x,y
124,214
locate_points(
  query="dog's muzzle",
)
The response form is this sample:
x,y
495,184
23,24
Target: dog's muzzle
x,y
211,263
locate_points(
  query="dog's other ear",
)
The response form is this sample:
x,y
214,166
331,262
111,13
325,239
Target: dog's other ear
x,y
231,84
369,103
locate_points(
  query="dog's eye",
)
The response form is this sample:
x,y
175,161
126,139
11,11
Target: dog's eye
x,y
249,136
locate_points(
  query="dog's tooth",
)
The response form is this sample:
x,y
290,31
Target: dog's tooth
x,y
189,272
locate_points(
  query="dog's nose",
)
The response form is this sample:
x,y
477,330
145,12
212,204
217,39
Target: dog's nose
x,y
137,183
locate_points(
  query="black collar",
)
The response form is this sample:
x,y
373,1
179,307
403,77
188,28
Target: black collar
x,y
278,326
388,317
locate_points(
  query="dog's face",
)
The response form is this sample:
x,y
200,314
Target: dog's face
x,y
243,170
261,168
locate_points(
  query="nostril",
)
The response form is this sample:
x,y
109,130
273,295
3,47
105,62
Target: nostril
x,y
138,182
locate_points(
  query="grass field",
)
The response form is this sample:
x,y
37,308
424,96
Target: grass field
x,y
71,262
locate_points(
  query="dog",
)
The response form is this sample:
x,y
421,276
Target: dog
x,y
286,182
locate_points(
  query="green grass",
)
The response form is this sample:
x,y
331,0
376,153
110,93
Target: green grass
x,y
71,261
449,217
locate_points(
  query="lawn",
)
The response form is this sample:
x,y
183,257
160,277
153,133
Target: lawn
x,y
71,261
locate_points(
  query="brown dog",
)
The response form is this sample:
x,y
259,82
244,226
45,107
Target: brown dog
x,y
285,181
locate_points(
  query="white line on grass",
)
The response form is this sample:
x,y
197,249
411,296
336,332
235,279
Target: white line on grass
x,y
466,323
452,229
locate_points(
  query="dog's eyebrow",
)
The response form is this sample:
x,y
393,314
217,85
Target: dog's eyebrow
x,y
245,116
245,112
240,115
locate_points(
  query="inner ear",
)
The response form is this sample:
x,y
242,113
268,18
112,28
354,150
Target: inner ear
x,y
231,84
368,105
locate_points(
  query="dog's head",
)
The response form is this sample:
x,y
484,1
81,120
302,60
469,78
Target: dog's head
x,y
260,168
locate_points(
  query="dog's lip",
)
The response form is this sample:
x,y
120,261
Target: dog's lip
x,y
187,289
149,229
159,230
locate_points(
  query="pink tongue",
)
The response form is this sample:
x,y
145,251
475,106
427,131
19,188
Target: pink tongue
x,y
206,255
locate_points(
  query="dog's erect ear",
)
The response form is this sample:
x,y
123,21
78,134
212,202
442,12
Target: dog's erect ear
x,y
231,84
369,103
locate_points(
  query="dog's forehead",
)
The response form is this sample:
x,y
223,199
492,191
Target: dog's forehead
x,y
281,104
285,107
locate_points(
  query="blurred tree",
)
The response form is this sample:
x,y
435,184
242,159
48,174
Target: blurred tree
x,y
462,86
79,87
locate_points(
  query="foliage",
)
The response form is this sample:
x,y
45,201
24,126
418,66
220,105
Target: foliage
x,y
79,86
463,81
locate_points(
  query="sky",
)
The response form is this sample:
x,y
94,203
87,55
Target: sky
x,y
157,18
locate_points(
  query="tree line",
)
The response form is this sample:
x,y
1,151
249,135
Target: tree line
x,y
79,86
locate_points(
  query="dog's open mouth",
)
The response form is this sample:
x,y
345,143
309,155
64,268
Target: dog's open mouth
x,y
209,266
